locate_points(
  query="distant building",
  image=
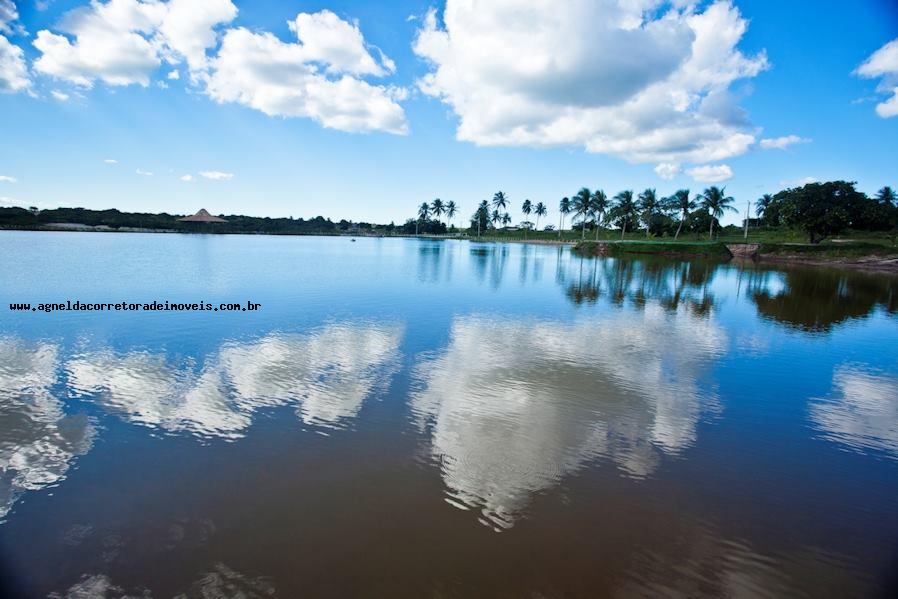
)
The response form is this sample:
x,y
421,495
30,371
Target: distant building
x,y
202,216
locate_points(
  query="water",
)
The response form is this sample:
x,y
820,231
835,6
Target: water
x,y
412,418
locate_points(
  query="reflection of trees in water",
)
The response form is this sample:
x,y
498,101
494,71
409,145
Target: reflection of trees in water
x,y
639,281
434,261
817,299
490,260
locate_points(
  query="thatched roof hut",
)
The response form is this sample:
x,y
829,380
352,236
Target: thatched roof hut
x,y
202,216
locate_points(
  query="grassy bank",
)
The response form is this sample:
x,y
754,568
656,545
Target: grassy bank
x,y
830,250
714,249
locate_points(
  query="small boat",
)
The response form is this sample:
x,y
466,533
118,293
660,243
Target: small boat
x,y
352,240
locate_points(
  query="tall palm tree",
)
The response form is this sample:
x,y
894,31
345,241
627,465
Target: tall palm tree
x,y
450,211
438,208
540,210
762,204
500,202
506,219
624,209
599,208
582,204
715,201
423,213
564,208
648,205
682,203
527,208
496,217
887,196
482,214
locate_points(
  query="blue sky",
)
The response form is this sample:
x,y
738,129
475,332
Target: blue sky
x,y
362,110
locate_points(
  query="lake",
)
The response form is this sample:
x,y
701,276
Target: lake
x,y
425,418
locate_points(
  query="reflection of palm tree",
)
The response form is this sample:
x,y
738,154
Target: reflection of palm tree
x,y
598,207
438,208
684,205
450,211
540,210
564,208
582,204
715,201
624,208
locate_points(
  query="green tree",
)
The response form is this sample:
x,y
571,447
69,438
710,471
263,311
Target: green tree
x,y
540,210
648,206
681,203
527,208
481,217
820,209
451,209
624,210
582,205
716,202
887,196
438,208
564,208
500,202
423,213
599,208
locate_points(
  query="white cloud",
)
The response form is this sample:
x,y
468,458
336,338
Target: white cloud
x,y
7,179
61,96
111,161
608,76
9,15
884,64
283,79
709,173
217,175
667,170
187,178
336,44
140,171
121,42
174,75
13,72
781,143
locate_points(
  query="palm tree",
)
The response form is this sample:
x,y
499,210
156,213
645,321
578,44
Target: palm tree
x,y
540,210
887,196
496,217
682,203
599,208
582,204
423,213
624,207
500,202
564,208
450,211
762,204
506,219
482,214
648,204
715,201
527,208
438,208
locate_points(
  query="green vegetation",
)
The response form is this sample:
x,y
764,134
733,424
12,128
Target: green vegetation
x,y
712,249
828,250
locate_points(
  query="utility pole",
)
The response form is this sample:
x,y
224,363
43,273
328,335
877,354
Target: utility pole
x,y
747,215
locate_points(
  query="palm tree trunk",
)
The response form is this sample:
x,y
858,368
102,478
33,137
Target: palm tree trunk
x,y
623,230
597,228
560,223
680,226
583,229
711,230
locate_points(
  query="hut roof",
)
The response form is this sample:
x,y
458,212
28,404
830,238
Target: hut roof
x,y
202,216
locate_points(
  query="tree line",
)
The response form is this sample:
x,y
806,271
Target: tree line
x,y
820,210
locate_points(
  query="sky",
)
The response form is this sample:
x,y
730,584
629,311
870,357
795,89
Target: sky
x,y
362,110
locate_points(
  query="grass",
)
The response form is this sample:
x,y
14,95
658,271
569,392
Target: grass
x,y
713,249
830,249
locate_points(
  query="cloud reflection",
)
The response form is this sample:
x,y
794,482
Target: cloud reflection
x,y
862,412
327,374
512,407
39,441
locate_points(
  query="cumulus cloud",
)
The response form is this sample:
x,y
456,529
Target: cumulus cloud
x,y
13,72
709,173
121,42
667,170
216,175
285,79
7,179
884,64
626,79
174,75
781,143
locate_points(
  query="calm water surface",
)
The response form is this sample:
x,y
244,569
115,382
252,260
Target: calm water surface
x,y
412,418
